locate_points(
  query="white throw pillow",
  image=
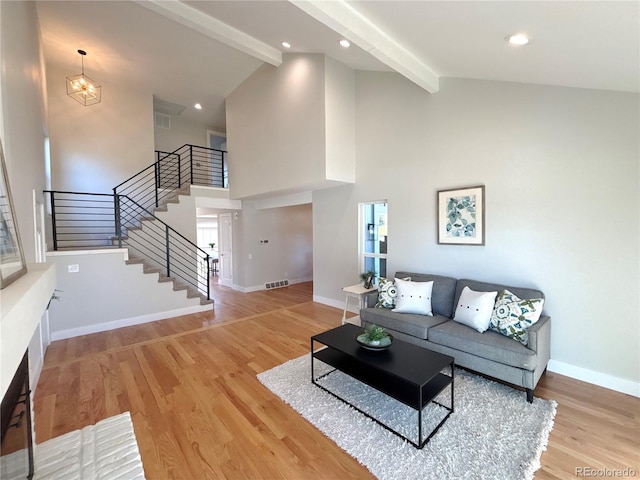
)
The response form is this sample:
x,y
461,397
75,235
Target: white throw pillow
x,y
474,309
413,297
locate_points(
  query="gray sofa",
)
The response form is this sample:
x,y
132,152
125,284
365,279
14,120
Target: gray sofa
x,y
489,353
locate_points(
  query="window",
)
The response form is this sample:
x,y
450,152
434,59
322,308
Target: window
x,y
207,232
373,237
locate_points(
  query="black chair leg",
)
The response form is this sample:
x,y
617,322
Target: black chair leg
x,y
529,395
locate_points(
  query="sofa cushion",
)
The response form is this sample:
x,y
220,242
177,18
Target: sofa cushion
x,y
489,345
489,287
442,294
415,325
474,309
513,316
413,297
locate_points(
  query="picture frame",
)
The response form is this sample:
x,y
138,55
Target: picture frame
x,y
12,260
461,216
368,282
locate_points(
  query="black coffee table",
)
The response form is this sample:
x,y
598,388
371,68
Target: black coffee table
x,y
410,374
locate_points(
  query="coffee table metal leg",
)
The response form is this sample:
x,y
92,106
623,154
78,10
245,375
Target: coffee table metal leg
x,y
453,375
313,380
420,417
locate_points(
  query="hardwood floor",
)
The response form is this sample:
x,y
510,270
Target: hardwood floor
x,y
200,413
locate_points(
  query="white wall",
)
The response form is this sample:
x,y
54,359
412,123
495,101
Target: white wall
x,y
290,129
22,130
275,127
95,148
340,119
288,253
181,216
88,303
182,132
23,112
561,172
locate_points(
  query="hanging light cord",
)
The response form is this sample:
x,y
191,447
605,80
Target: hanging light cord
x,y
82,54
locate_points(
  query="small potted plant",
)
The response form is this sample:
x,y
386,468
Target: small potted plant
x,y
367,278
374,334
213,245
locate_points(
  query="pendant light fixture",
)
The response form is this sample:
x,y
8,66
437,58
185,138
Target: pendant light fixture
x,y
82,89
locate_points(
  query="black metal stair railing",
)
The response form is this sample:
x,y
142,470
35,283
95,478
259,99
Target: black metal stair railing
x,y
160,245
173,171
97,220
94,220
81,220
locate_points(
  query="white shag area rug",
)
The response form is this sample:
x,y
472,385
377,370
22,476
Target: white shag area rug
x,y
494,433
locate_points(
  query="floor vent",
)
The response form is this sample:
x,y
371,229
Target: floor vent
x,y
278,284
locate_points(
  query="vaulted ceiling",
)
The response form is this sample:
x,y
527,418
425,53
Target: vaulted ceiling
x,y
188,52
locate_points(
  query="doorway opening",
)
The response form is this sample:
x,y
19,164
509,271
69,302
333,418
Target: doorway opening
x,y
214,236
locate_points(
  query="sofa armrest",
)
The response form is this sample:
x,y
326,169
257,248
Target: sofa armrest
x,y
540,338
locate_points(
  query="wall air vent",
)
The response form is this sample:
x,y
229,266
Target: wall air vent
x,y
163,121
277,284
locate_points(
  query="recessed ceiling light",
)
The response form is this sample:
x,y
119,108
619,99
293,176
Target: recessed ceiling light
x,y
286,44
345,43
518,39
197,106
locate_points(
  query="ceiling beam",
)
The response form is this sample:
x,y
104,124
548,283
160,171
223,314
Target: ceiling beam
x,y
214,28
347,21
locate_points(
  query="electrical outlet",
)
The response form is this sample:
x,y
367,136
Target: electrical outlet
x,y
75,268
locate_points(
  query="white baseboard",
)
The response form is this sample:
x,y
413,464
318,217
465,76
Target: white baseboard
x,y
336,303
596,378
242,289
126,322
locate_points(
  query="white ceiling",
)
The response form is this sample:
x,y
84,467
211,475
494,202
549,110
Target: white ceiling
x,y
200,51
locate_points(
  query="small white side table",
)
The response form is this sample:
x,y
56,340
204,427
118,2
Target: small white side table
x,y
359,292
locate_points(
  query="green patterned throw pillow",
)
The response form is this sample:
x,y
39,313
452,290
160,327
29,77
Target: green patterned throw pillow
x,y
387,293
512,316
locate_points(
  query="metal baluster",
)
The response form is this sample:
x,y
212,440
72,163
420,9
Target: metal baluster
x,y
166,234
208,276
116,205
53,221
191,163
179,170
225,182
157,175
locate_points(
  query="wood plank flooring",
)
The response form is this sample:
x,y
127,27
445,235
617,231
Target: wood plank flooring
x,y
200,413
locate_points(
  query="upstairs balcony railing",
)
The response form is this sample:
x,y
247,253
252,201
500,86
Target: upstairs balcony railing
x,y
174,171
95,220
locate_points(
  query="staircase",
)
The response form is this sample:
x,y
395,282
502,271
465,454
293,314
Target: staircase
x,y
126,218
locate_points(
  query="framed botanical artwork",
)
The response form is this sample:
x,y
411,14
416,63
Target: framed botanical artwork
x,y
461,216
12,261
